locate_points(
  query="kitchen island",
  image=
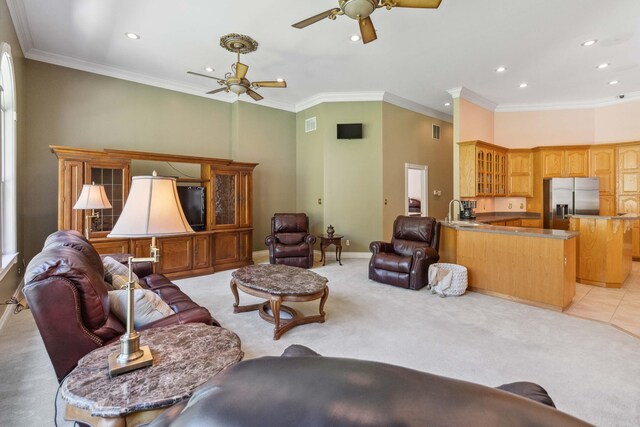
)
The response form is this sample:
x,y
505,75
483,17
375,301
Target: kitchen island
x,y
604,248
531,265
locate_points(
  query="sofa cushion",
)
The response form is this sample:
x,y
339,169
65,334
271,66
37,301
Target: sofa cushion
x,y
119,281
148,307
73,239
289,251
290,238
113,267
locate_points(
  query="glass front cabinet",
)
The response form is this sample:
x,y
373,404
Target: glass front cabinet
x,y
226,242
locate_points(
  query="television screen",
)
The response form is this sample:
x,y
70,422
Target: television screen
x,y
350,131
192,200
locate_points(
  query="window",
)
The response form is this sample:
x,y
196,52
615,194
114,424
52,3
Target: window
x,y
8,229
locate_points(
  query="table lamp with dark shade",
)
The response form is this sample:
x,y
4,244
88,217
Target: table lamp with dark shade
x,y
92,197
152,209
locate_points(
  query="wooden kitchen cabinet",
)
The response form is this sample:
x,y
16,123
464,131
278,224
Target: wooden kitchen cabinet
x,y
573,162
483,169
628,170
608,205
531,223
520,173
603,166
512,223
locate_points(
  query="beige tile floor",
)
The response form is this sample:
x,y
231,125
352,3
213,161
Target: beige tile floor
x,y
618,307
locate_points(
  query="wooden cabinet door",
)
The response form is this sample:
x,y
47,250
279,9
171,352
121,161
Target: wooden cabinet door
x,y
246,246
226,247
468,171
500,173
175,254
520,166
245,194
112,246
576,163
607,205
552,164
70,181
628,169
603,166
629,204
141,248
635,240
531,223
114,176
201,255
225,202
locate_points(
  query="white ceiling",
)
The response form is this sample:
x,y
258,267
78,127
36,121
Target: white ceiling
x,y
419,54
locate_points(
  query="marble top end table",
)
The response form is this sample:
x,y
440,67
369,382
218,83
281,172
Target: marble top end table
x,y
184,357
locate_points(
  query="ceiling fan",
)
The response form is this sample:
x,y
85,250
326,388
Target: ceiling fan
x,y
360,11
236,81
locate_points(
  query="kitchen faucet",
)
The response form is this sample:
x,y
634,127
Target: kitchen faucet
x,y
451,216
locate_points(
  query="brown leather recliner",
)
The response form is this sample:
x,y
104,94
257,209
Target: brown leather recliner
x,y
405,261
67,294
290,242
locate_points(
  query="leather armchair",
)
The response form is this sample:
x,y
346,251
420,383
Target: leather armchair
x,y
68,297
405,261
290,242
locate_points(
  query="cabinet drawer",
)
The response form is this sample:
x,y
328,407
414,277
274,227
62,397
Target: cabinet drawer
x,y
531,223
112,247
512,223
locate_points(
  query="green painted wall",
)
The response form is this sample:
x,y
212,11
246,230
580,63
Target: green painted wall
x,y
345,174
267,136
8,35
408,138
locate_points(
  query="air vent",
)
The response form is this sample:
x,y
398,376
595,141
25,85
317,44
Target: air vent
x,y
435,131
310,124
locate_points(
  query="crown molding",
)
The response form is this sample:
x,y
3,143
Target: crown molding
x,y
469,95
322,98
415,107
21,24
581,105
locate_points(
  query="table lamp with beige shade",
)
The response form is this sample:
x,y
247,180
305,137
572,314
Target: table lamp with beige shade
x,y
152,209
92,197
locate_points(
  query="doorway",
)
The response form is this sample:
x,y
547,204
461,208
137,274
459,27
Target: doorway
x,y
416,184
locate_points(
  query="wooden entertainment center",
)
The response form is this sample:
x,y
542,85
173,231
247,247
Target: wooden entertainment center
x,y
226,241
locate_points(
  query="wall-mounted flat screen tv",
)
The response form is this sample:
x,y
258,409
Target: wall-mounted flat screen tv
x,y
192,200
350,131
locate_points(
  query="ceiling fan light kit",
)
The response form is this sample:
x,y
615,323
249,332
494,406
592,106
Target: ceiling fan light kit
x,y
235,81
360,10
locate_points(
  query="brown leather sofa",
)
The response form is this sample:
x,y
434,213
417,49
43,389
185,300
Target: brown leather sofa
x,y
290,242
405,261
67,294
302,389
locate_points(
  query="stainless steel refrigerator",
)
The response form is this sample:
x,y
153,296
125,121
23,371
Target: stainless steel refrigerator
x,y
569,196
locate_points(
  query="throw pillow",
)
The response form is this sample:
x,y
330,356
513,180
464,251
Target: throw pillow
x,y
147,306
118,281
113,267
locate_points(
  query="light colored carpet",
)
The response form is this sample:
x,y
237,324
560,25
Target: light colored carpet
x,y
590,369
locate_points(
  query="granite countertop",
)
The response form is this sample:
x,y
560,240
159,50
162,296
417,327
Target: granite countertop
x,y
629,216
505,216
519,231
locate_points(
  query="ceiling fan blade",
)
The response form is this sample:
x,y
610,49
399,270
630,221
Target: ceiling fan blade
x,y
423,4
217,90
269,84
367,30
316,18
241,70
255,95
204,75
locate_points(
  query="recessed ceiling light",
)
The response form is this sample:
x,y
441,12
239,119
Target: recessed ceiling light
x,y
132,36
603,65
208,69
523,85
614,82
588,43
501,69
279,79
446,104
355,38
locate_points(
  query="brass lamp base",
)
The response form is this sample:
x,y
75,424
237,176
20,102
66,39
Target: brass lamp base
x,y
117,367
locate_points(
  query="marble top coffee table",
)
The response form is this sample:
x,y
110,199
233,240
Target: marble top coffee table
x,y
184,357
278,283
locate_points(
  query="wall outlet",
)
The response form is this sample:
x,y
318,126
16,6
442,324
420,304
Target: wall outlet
x,y
347,242
510,206
521,205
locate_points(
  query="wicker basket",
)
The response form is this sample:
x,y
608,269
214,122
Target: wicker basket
x,y
452,284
